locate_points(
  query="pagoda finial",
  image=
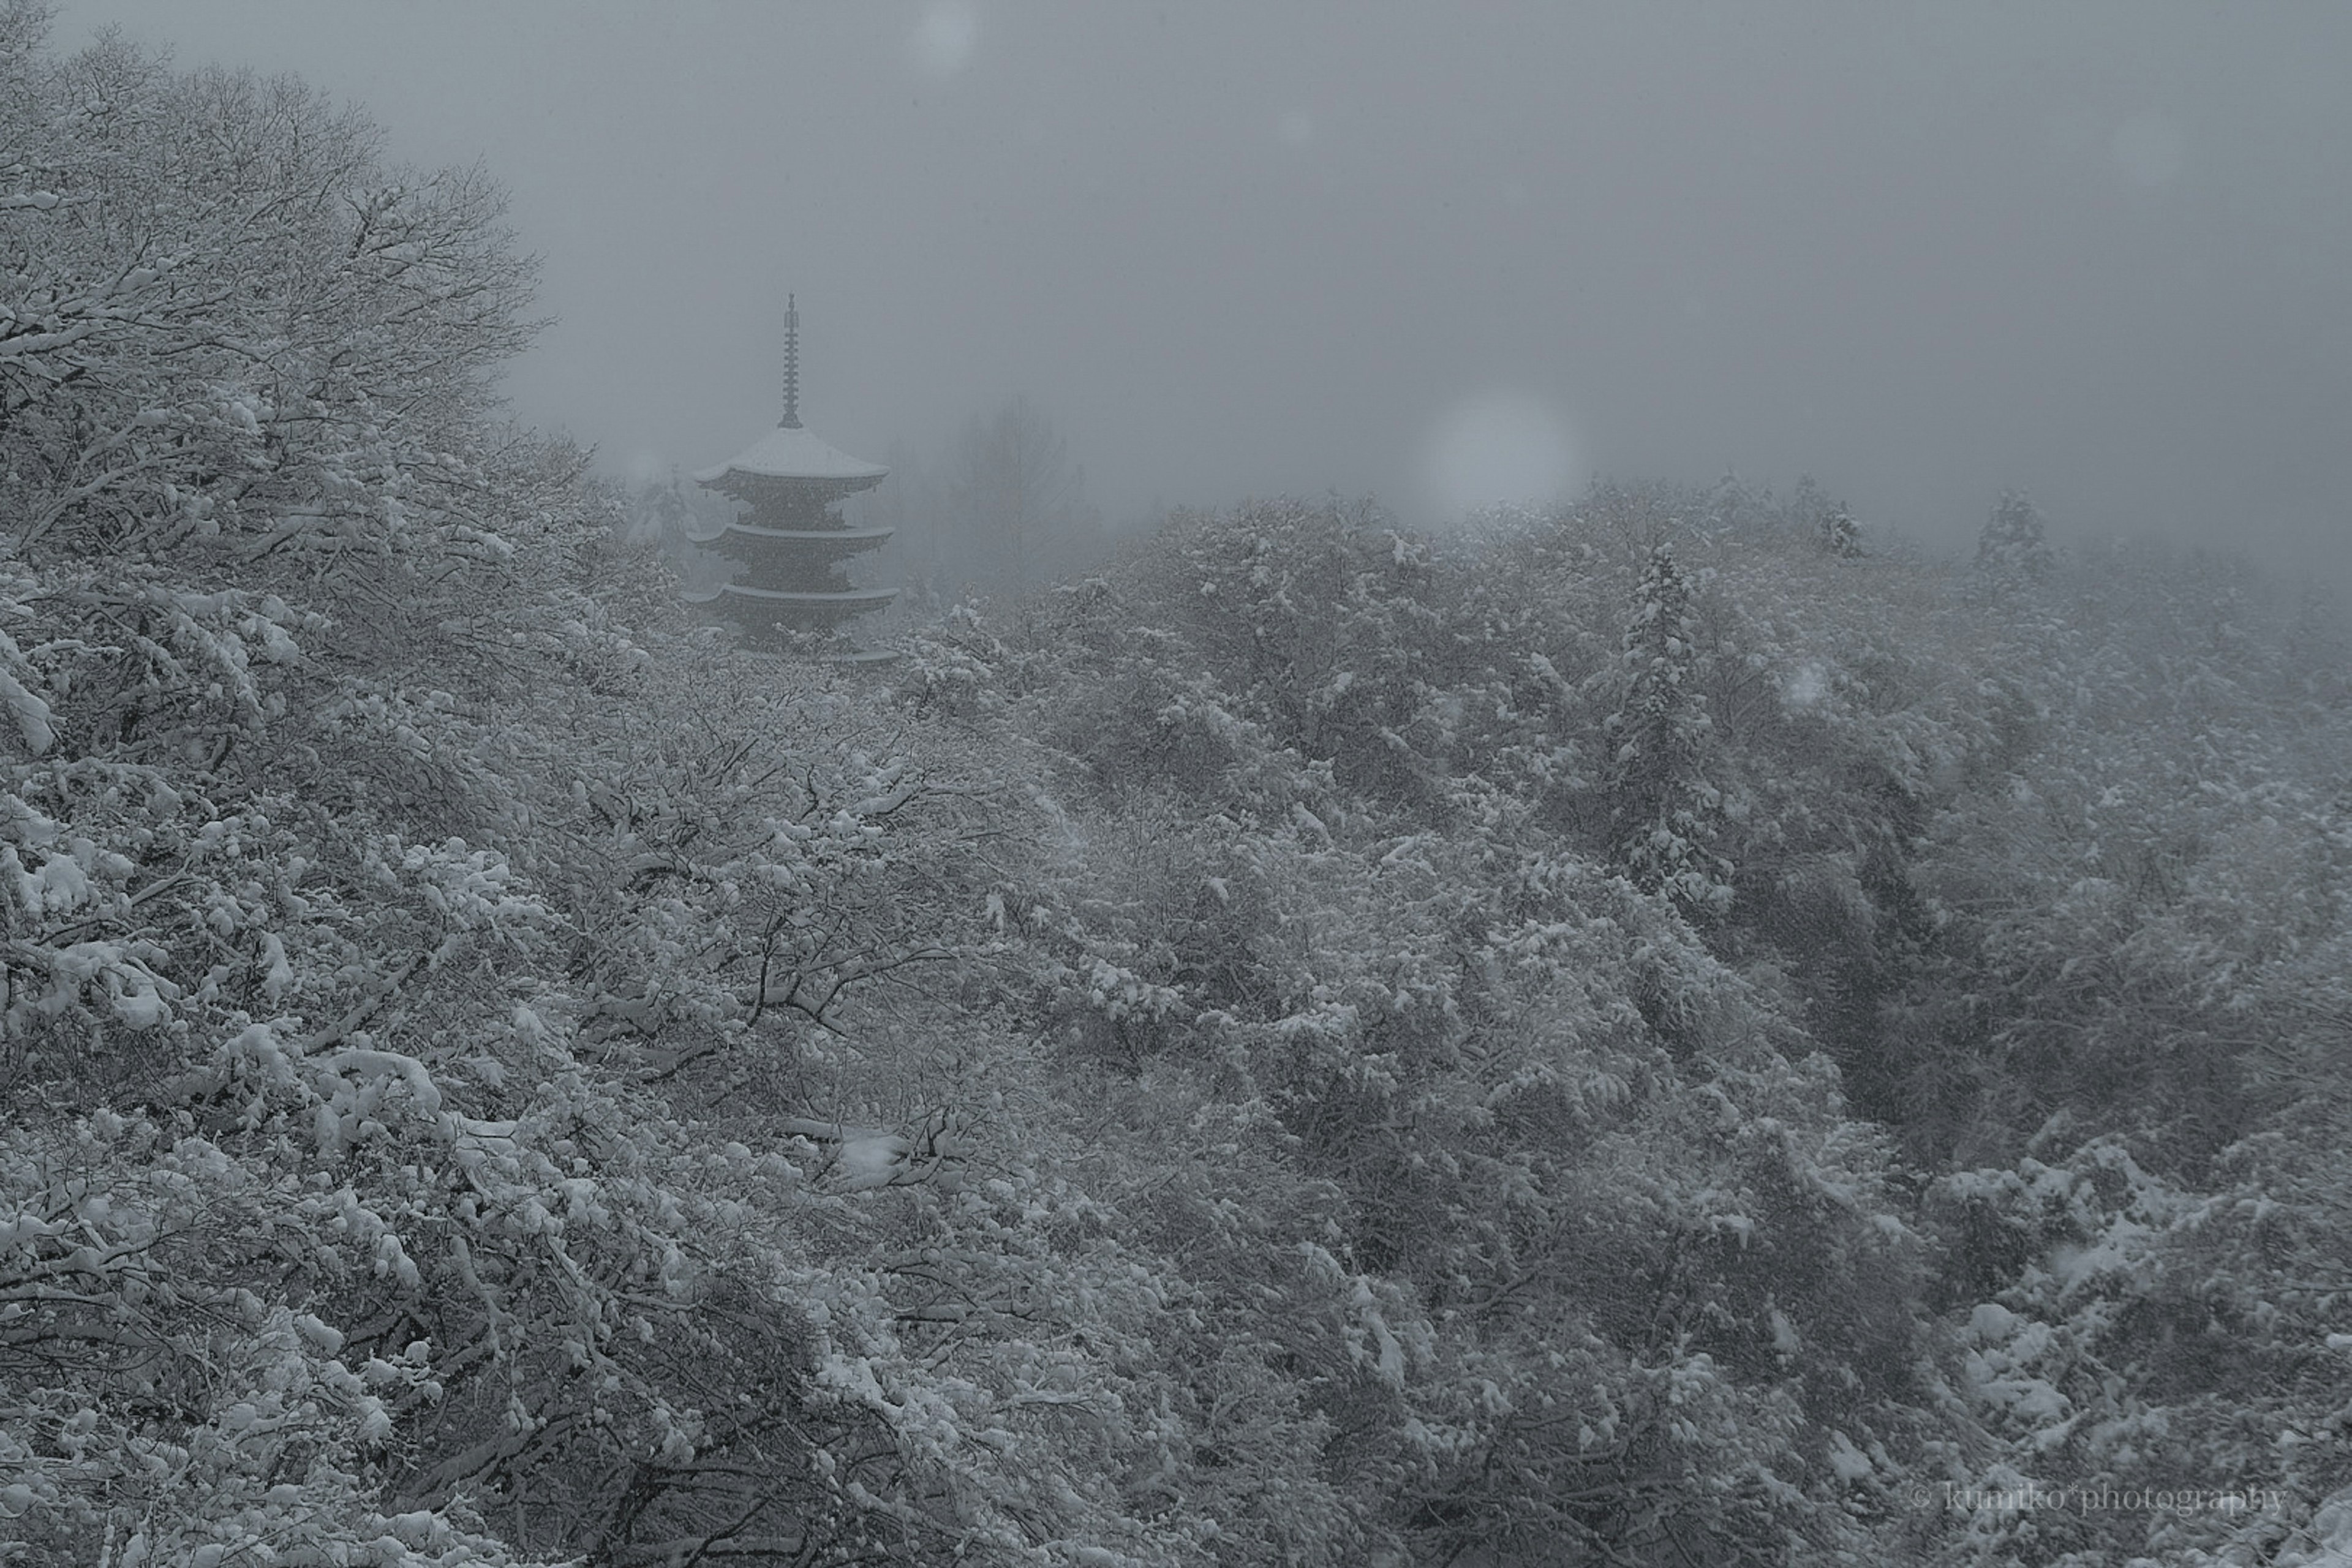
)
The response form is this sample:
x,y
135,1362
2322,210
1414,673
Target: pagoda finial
x,y
791,420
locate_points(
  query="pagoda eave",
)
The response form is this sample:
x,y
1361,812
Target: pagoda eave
x,y
845,597
863,538
753,489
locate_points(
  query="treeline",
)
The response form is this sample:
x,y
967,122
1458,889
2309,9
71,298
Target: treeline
x,y
1666,1031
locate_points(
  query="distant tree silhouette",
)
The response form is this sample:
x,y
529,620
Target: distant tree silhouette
x,y
1017,504
1822,516
2013,543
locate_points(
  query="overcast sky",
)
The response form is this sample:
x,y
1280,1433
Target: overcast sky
x,y
2102,252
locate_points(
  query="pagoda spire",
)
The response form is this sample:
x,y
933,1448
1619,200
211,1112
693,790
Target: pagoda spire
x,y
791,420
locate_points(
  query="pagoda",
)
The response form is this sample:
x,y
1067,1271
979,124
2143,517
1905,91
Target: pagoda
x,y
790,550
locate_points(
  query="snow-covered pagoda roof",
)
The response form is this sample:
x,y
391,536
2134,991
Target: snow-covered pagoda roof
x,y
794,452
801,596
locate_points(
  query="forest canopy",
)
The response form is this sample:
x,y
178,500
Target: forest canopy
x,y
1666,1029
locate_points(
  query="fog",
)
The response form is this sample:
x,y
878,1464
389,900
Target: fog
x,y
1437,255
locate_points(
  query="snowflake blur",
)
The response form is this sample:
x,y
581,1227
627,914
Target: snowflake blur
x,y
1496,448
945,39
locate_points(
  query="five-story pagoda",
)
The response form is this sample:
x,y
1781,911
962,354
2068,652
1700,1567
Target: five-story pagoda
x,y
792,549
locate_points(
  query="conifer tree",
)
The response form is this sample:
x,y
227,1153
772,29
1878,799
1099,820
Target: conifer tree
x,y
1663,808
2012,544
1824,518
1837,533
660,514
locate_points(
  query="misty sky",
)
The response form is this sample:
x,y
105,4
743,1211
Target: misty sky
x,y
2102,252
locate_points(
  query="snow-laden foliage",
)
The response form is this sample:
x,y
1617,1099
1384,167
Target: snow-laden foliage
x,y
1358,799
2014,541
1632,1034
1664,807
378,848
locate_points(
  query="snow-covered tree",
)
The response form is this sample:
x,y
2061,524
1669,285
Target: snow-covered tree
x,y
1665,810
492,1074
1836,533
2013,542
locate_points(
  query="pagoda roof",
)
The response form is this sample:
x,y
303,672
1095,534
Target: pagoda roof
x,y
806,596
794,452
863,538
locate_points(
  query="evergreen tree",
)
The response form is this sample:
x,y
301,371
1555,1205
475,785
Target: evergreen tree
x,y
661,516
1729,503
1664,809
1839,535
1813,512
2012,544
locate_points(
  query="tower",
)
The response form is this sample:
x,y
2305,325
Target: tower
x,y
790,550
